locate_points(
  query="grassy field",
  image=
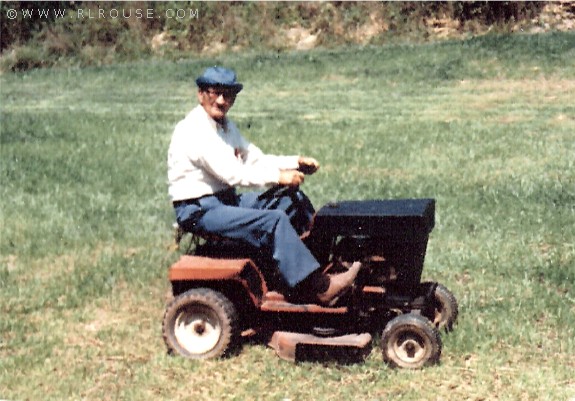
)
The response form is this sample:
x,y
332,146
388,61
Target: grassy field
x,y
486,126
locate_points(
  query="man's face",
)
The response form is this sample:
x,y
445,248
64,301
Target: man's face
x,y
216,101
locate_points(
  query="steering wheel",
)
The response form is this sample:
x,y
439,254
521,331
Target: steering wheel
x,y
277,191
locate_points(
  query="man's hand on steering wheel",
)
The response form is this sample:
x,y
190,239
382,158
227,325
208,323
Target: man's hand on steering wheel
x,y
291,178
308,165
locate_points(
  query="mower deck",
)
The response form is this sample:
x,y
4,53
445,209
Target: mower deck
x,y
296,347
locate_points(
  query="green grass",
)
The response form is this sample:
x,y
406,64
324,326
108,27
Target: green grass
x,y
485,126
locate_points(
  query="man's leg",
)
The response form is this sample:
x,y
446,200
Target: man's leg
x,y
270,229
293,202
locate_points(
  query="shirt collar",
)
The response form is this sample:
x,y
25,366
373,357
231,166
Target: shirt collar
x,y
224,127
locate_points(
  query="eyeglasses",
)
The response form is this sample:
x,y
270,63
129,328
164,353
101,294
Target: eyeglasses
x,y
228,94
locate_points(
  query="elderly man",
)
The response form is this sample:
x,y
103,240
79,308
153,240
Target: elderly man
x,y
208,158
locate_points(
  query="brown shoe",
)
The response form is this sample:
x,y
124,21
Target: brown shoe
x,y
339,284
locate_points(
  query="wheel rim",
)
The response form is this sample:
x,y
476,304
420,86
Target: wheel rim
x,y
440,317
198,330
409,347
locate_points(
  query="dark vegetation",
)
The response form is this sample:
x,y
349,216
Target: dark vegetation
x,y
38,34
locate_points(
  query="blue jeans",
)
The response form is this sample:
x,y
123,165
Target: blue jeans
x,y
261,220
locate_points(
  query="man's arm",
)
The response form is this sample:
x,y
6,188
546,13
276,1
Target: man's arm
x,y
292,168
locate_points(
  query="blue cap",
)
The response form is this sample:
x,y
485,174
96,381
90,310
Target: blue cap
x,y
219,76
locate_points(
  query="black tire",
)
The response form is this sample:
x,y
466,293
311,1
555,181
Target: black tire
x,y
200,324
410,341
445,308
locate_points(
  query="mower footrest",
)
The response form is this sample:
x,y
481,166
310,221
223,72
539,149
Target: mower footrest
x,y
276,302
296,347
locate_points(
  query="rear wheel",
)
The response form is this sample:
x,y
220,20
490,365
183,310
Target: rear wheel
x,y
200,324
410,341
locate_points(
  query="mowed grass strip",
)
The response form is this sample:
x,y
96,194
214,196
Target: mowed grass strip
x,y
485,126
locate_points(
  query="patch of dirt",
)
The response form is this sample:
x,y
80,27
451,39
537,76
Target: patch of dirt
x,y
373,28
300,38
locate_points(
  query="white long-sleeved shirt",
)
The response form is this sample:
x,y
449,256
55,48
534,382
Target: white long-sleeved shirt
x,y
204,158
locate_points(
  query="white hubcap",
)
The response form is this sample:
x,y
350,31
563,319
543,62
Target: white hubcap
x,y
197,330
408,348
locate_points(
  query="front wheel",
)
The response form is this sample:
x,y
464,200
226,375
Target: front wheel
x,y
445,308
410,341
200,324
